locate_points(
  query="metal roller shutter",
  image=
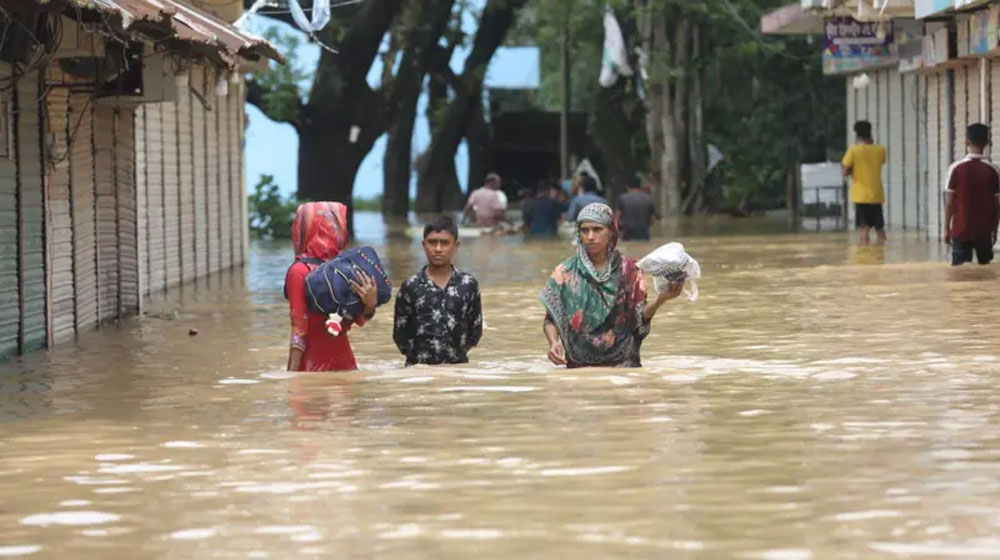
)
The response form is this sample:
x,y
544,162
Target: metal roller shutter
x,y
913,134
155,247
31,210
107,211
81,166
172,193
186,182
125,196
212,174
198,118
60,214
894,186
10,304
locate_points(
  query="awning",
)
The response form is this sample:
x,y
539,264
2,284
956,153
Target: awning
x,y
791,20
174,21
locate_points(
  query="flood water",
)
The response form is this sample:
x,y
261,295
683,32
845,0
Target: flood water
x,y
820,400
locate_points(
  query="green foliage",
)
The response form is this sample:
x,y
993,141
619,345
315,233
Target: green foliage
x,y
271,214
284,86
767,104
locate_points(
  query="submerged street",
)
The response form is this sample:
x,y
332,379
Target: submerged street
x,y
820,400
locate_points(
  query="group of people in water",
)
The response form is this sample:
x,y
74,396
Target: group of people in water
x,y
972,208
596,310
543,209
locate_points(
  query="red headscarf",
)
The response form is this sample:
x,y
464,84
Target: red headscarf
x,y
319,230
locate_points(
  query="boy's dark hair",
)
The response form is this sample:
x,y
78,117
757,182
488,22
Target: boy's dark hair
x,y
633,181
544,186
863,129
978,135
589,184
439,224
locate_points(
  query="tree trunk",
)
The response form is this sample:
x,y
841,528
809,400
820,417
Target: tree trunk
x,y
407,85
613,135
682,65
328,164
477,137
696,129
438,169
669,196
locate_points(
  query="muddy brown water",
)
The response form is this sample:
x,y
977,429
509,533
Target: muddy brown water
x,y
820,400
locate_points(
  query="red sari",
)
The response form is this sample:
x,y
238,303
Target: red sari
x,y
318,232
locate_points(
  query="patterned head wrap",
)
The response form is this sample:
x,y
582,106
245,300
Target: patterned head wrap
x,y
597,212
319,230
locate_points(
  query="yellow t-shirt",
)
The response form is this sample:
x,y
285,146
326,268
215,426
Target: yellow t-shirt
x,y
866,161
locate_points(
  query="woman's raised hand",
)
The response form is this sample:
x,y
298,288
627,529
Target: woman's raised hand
x,y
673,291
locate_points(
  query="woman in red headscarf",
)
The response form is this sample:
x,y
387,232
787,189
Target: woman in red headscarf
x,y
319,233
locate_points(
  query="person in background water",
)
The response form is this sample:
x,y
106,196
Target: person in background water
x,y
636,212
439,315
488,202
863,162
588,196
543,214
973,209
319,233
595,301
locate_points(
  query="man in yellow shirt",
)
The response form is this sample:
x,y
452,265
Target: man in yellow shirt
x,y
863,162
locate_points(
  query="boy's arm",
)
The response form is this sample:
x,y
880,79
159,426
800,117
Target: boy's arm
x,y
949,205
404,324
474,321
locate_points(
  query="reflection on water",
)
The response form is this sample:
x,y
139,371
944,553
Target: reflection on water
x,y
819,401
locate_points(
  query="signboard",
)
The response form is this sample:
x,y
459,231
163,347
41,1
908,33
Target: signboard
x,y
983,31
851,46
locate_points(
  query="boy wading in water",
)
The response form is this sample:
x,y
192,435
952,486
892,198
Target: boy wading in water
x,y
973,209
863,162
439,315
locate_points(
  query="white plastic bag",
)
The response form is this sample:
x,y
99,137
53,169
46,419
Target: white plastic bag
x,y
669,265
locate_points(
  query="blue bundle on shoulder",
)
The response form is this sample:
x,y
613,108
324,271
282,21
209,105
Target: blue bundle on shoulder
x,y
328,287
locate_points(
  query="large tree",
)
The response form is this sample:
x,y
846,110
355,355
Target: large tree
x,y
437,184
339,116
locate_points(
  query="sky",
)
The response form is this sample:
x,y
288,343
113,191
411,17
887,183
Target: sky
x,y
272,147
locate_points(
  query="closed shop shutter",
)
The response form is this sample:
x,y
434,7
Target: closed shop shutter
x,y
852,109
960,93
125,195
882,126
10,306
225,184
155,247
895,201
173,221
198,121
186,181
241,130
933,145
142,197
34,323
107,211
913,134
81,165
212,172
236,169
60,214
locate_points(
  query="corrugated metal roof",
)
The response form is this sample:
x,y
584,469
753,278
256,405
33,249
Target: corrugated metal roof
x,y
172,19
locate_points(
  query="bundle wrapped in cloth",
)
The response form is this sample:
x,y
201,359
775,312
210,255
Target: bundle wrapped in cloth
x,y
671,265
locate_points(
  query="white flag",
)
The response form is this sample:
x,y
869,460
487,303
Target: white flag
x,y
614,62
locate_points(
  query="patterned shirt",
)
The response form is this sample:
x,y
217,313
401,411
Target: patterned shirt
x,y
435,326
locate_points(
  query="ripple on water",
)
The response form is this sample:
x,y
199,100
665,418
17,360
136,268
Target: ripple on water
x,y
113,457
193,534
70,518
489,389
584,471
19,550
